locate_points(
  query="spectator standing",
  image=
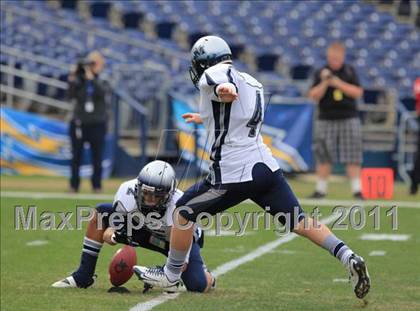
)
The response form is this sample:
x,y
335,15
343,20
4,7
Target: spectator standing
x,y
338,133
88,123
415,174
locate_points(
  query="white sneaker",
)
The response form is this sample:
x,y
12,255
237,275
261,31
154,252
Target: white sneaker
x,y
69,282
156,277
359,276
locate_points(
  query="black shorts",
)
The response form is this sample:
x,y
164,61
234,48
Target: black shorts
x,y
268,189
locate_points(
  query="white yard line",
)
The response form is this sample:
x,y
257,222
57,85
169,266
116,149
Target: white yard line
x,y
229,266
37,243
150,304
377,253
385,237
89,196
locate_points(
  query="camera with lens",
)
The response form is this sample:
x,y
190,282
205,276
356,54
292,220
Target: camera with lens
x,y
326,74
82,65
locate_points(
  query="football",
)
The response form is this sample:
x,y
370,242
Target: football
x,y
121,266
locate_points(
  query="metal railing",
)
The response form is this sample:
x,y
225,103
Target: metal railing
x,y
119,99
408,132
18,53
35,97
12,92
33,76
122,97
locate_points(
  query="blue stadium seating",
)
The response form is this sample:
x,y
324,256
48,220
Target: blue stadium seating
x,y
385,53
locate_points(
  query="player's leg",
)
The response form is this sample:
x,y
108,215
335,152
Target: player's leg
x,y
181,238
280,198
196,277
321,235
202,197
92,243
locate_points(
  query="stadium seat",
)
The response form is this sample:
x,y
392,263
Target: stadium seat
x,y
294,33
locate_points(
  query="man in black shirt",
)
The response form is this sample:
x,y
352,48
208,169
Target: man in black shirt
x,y
88,123
338,136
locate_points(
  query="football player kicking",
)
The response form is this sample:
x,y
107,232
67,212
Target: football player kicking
x,y
242,167
154,190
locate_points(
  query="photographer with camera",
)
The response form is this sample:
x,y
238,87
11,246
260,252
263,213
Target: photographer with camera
x,y
88,123
338,132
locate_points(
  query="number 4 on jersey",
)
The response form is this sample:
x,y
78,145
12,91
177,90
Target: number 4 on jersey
x,y
256,116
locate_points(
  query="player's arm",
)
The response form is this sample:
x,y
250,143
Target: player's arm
x,y
192,117
113,236
117,230
219,83
109,232
226,92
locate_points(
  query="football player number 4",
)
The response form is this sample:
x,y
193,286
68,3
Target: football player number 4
x,y
256,116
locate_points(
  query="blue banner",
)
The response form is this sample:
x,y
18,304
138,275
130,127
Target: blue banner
x,y
35,145
287,131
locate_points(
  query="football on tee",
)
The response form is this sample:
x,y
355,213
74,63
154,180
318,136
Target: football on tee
x,y
121,266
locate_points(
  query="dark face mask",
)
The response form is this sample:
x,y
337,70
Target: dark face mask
x,y
152,201
196,70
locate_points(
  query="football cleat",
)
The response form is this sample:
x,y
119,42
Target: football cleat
x,y
213,284
156,277
359,276
69,282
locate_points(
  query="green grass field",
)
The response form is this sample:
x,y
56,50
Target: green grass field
x,y
295,276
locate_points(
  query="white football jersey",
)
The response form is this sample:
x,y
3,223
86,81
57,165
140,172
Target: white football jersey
x,y
125,202
234,141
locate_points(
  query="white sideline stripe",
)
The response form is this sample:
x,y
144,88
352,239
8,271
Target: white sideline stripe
x,y
90,196
149,305
229,266
56,195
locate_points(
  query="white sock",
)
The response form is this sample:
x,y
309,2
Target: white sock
x,y
337,248
344,258
355,185
321,186
174,264
171,275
